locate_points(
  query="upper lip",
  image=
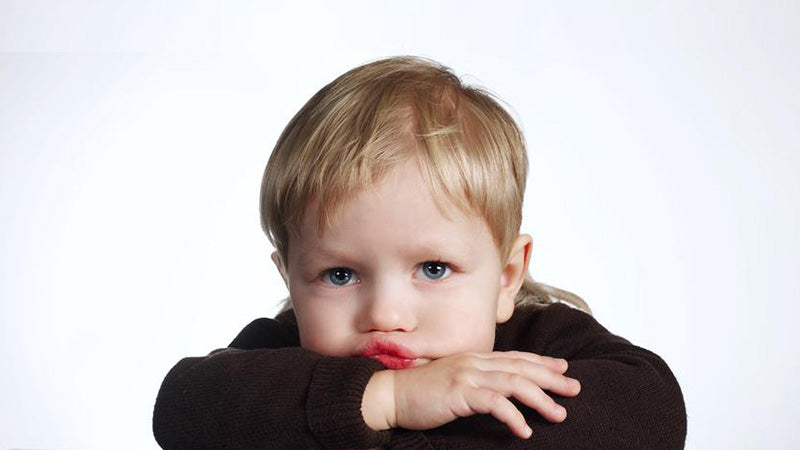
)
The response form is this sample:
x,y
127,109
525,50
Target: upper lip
x,y
384,346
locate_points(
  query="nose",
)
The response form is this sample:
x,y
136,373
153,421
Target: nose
x,y
387,307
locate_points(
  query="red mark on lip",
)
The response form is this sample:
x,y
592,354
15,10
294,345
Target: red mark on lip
x,y
390,354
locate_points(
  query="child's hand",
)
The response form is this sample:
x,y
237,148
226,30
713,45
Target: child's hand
x,y
466,384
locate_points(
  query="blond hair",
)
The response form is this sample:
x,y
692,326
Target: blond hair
x,y
375,116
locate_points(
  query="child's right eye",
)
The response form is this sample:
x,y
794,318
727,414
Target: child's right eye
x,y
338,276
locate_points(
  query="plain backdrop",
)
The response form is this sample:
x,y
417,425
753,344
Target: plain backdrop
x,y
664,186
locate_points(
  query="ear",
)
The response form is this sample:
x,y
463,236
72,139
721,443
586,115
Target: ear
x,y
513,275
276,258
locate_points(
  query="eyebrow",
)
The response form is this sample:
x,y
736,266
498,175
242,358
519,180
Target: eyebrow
x,y
450,250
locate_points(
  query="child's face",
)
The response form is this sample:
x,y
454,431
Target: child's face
x,y
373,277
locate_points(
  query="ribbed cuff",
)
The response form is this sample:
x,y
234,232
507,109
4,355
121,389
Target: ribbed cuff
x,y
333,406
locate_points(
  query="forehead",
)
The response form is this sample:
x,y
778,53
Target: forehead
x,y
399,214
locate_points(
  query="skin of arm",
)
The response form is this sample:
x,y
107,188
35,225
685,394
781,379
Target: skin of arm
x,y
266,391
377,405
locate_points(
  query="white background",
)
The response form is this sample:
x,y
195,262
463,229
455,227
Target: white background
x,y
664,149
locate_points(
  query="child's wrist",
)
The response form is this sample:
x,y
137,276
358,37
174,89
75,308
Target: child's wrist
x,y
377,405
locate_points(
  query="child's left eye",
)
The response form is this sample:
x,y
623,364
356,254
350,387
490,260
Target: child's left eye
x,y
435,270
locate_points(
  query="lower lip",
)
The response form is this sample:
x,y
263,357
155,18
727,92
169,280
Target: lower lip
x,y
393,362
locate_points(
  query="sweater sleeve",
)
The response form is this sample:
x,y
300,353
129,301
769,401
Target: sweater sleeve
x,y
629,398
248,396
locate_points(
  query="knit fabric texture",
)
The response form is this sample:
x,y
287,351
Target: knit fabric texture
x,y
266,392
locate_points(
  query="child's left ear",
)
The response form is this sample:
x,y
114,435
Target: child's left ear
x,y
513,275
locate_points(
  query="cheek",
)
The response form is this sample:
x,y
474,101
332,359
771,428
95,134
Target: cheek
x,y
481,295
320,334
470,331
464,320
323,327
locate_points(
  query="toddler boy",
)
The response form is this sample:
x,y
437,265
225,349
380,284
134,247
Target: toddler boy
x,y
393,199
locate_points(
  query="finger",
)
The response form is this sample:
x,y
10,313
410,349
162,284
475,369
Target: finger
x,y
523,389
487,401
539,374
557,364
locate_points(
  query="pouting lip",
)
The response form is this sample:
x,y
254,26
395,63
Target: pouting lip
x,y
383,346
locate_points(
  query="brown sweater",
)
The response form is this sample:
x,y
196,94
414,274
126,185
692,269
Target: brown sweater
x,y
264,391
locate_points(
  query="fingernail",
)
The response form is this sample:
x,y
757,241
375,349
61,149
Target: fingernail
x,y
528,431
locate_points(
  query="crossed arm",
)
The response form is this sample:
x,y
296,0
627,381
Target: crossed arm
x,y
264,391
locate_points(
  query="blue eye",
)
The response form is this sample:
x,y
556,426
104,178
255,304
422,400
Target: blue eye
x,y
342,276
435,269
338,276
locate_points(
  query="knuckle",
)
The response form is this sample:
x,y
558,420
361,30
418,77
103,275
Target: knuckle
x,y
564,382
459,379
495,401
515,381
463,379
